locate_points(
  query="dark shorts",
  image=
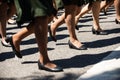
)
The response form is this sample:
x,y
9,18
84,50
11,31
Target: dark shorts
x,y
109,0
59,4
3,1
42,7
82,2
29,9
11,1
70,2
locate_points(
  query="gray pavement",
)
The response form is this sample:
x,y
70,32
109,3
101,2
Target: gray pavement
x,y
76,63
107,69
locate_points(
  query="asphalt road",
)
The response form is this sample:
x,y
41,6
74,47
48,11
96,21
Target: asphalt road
x,y
74,62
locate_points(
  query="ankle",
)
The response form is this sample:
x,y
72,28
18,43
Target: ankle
x,y
16,39
118,19
97,28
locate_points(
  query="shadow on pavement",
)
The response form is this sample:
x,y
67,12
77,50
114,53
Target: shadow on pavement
x,y
25,52
77,61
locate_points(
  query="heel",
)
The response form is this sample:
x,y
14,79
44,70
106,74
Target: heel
x,y
105,12
98,32
70,45
76,27
94,31
50,33
117,22
17,53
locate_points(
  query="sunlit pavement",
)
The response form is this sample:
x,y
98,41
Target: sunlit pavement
x,y
107,69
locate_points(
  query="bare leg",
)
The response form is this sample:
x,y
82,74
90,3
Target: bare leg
x,y
41,30
3,17
96,29
69,20
85,9
109,4
39,26
105,4
57,23
78,10
96,11
24,32
11,10
117,7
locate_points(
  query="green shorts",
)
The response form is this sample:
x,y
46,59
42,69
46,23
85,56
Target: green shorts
x,y
42,7
61,3
29,9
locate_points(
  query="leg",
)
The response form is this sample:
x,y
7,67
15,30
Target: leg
x,y
16,39
41,38
85,9
56,24
96,27
96,11
3,18
41,30
117,7
70,21
105,4
11,10
24,32
69,17
109,4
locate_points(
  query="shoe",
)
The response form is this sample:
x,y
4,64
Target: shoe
x,y
76,27
98,32
12,22
52,37
105,12
117,22
4,43
17,53
56,69
83,47
0,36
